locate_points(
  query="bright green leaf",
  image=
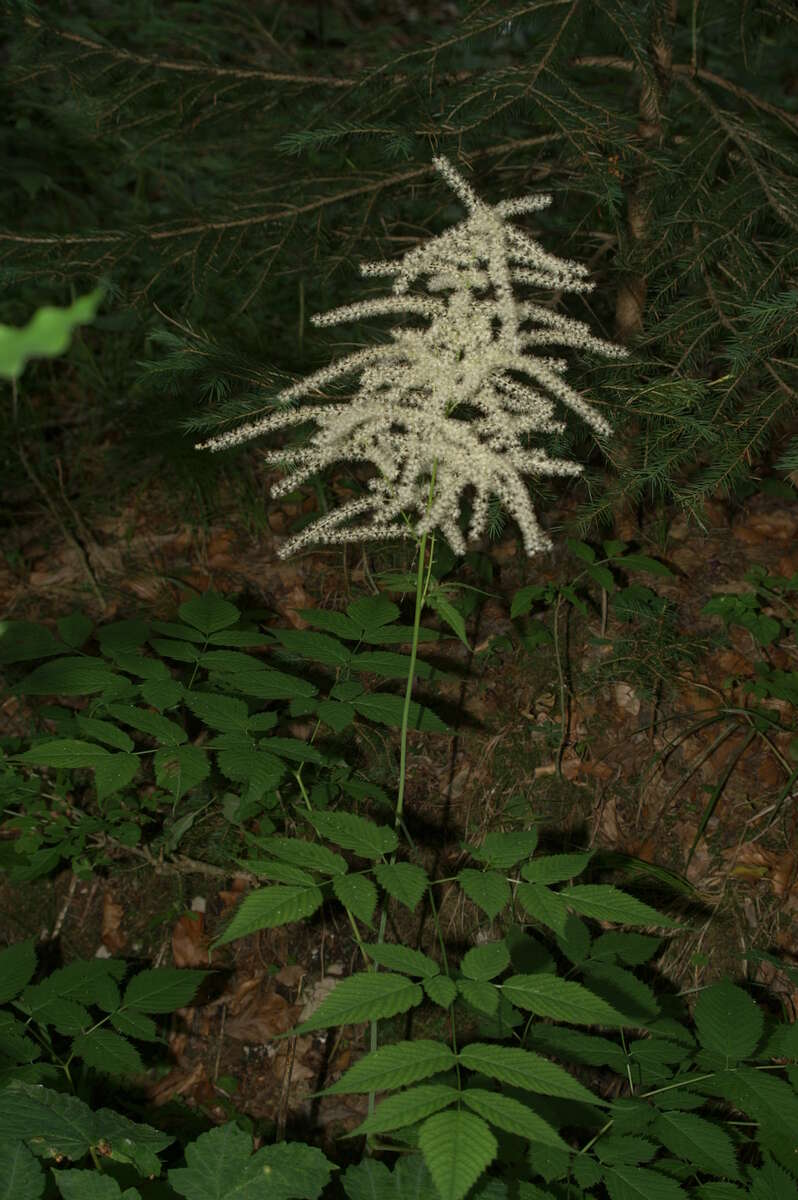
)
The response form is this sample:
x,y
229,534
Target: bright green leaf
x,y
394,1066
457,1147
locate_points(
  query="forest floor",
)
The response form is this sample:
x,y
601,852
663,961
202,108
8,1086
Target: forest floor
x,y
634,780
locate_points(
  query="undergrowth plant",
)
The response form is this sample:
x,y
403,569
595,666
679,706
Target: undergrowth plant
x,y
687,1102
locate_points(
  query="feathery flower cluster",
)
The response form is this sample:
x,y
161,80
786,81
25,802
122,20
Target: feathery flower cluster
x,y
403,418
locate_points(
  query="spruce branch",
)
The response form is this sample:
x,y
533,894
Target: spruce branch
x,y
404,417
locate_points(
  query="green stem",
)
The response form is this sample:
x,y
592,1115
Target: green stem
x,y
422,585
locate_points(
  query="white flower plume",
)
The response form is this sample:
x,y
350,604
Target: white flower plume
x,y
403,418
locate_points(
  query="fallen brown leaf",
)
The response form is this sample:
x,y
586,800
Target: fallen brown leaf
x,y
113,937
190,942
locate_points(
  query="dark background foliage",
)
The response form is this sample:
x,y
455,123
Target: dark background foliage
x,y
223,168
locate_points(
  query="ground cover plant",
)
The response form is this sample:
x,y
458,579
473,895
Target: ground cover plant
x,y
560,1058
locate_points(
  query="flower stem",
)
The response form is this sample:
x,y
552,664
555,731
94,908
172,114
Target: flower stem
x,y
422,586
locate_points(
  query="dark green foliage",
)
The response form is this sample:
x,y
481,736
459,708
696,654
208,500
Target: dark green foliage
x,y
224,174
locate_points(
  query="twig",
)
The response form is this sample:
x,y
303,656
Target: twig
x,y
267,218
59,921
69,536
169,64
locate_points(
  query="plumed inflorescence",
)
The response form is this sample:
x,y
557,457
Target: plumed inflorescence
x,y
407,417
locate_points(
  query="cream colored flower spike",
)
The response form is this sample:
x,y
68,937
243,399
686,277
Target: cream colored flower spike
x,y
404,419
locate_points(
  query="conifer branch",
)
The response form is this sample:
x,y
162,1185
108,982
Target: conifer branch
x,y
169,64
289,211
617,63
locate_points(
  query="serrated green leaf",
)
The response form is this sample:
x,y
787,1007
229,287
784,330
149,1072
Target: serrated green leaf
x,y
394,1066
402,958
15,1047
393,666
87,982
75,629
63,752
545,906
104,731
554,868
135,1024
581,550
305,854
318,647
221,1166
239,637
48,1008
602,576
642,562
126,1141
336,714
333,622
607,903
479,994
180,768
357,894
48,1122
224,713
22,641
631,948
641,1183
162,990
441,990
624,991
372,612
181,651
277,872
115,772
438,601
702,1143
161,693
574,943
263,683
486,961
17,965
770,1101
261,771
561,999
209,612
512,1116
107,1052
355,833
525,598
370,996
407,1107
292,748
21,1176
161,728
123,637
728,1022
269,907
504,850
67,677
183,633
524,1069
489,890
387,709
88,1185
621,1149
406,882
457,1147
154,670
